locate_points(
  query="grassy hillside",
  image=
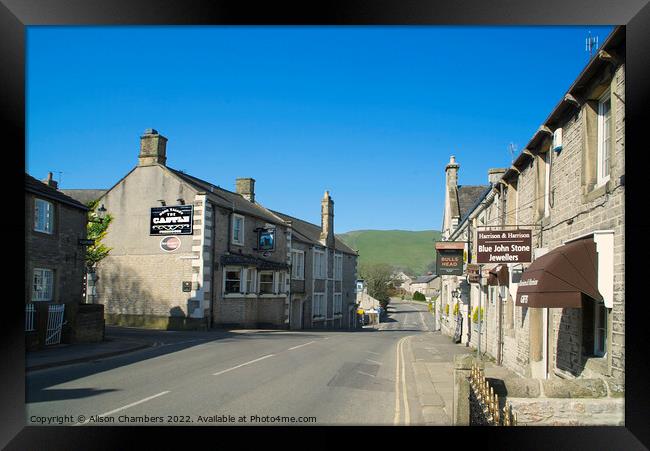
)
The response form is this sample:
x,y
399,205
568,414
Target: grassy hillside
x,y
398,248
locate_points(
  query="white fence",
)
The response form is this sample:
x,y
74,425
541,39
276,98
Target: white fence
x,y
30,315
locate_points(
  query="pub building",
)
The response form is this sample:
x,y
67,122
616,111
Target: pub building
x,y
187,254
561,314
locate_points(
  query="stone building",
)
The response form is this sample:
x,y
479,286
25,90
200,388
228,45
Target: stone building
x,y
561,317
55,225
428,284
189,254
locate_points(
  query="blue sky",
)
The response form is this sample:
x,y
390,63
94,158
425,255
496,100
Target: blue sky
x,y
371,114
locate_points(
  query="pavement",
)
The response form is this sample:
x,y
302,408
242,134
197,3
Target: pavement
x,y
66,354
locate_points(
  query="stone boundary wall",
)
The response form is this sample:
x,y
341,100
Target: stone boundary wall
x,y
553,402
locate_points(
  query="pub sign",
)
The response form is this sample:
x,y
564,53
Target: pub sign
x,y
174,220
266,239
449,258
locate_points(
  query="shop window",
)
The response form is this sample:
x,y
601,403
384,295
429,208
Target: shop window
x,y
43,216
594,328
43,287
232,280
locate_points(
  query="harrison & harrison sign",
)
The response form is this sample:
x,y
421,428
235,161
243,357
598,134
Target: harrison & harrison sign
x,y
504,246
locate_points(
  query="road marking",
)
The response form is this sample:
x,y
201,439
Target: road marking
x,y
128,405
397,361
300,346
407,413
243,364
365,374
374,361
376,353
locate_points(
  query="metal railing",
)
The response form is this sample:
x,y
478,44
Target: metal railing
x,y
484,403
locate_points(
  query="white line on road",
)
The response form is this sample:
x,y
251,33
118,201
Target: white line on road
x,y
128,405
374,361
365,374
376,353
243,364
300,346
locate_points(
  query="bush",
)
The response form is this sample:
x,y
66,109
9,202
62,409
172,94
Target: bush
x,y
456,309
417,296
447,309
475,315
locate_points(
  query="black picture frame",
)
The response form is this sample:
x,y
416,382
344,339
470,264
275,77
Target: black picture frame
x,y
15,15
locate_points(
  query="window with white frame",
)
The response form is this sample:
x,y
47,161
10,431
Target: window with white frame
x,y
319,264
338,303
238,229
297,264
318,305
43,216
604,137
266,282
232,280
43,288
250,280
280,287
338,267
547,183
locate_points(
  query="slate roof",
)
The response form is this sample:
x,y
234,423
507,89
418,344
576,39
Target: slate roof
x,y
303,230
84,195
228,199
310,233
468,198
424,279
35,186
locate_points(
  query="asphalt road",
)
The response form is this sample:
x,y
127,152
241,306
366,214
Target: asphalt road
x,y
248,377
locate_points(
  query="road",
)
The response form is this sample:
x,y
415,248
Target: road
x,y
374,376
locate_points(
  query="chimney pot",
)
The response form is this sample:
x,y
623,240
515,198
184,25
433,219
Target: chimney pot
x,y
49,181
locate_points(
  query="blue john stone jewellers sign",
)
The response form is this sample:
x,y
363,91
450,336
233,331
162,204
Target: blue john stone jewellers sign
x,y
176,220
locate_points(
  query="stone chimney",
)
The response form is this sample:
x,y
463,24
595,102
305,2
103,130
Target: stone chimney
x,y
327,220
153,148
49,181
246,187
451,171
495,174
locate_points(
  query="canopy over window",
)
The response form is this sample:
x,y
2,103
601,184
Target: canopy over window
x,y
560,278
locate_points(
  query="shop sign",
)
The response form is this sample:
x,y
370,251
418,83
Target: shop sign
x,y
176,220
472,273
504,246
170,243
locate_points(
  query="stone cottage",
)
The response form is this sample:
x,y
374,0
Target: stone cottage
x,y
189,254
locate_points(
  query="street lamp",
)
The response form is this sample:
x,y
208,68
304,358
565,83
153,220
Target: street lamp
x,y
101,214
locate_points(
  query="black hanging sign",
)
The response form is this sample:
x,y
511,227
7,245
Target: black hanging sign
x,y
176,220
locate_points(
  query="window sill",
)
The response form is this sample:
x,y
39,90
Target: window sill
x,y
596,192
596,364
318,319
234,243
273,295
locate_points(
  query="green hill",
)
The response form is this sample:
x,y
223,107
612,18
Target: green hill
x,y
402,249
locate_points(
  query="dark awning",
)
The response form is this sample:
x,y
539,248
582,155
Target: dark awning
x,y
246,260
559,278
498,276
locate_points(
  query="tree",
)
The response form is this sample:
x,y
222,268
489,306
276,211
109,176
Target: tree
x,y
378,278
96,230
